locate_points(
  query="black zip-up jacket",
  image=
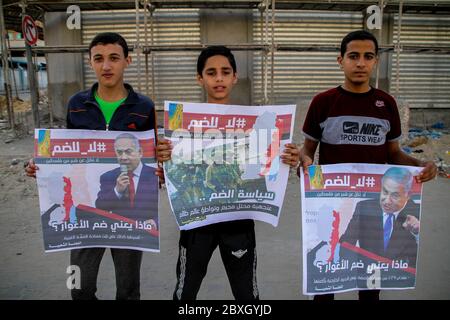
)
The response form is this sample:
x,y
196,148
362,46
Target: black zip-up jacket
x,y
136,113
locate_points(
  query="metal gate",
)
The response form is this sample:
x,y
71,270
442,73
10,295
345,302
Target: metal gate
x,y
424,79
174,72
303,74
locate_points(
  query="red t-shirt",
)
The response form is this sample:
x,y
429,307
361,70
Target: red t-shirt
x,y
352,127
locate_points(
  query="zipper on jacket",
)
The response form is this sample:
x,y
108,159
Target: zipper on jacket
x,y
114,113
100,110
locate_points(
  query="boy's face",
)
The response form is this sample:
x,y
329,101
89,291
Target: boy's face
x,y
358,62
109,63
218,79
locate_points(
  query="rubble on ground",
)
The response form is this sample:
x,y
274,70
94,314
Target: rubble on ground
x,y
432,145
19,105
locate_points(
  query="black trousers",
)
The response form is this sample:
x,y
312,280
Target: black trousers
x,y
127,264
236,241
364,295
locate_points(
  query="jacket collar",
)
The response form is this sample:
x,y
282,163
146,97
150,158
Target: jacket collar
x,y
132,98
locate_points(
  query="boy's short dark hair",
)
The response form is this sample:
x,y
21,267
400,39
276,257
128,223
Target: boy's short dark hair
x,y
358,35
109,38
214,51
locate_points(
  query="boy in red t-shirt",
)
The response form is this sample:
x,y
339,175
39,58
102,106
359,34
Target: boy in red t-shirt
x,y
356,123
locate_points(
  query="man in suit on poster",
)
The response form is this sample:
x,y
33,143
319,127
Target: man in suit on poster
x,y
388,226
132,189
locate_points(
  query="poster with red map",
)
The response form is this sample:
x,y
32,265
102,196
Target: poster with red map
x,y
361,226
97,189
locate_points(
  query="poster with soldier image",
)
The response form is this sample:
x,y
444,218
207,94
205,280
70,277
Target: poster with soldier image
x,y
97,189
226,161
361,225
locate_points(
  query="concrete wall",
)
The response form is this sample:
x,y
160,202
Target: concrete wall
x,y
225,27
64,70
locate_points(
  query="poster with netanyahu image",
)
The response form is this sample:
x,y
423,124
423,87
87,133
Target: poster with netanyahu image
x,y
226,161
97,189
361,226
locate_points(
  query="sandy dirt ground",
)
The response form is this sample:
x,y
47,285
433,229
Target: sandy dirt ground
x,y
26,272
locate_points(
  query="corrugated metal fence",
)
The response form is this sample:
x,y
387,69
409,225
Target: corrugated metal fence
x,y
424,77
303,73
174,72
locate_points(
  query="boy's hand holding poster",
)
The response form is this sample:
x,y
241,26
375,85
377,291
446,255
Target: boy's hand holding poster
x,y
97,189
361,225
226,162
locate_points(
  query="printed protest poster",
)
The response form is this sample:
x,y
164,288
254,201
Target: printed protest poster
x,y
97,189
361,225
226,161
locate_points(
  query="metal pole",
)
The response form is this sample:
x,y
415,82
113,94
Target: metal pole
x,y
266,40
6,73
418,48
13,75
32,85
262,51
137,45
398,49
36,73
49,98
381,4
152,55
272,62
31,79
146,44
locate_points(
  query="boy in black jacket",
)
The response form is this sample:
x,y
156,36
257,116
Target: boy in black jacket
x,y
110,104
